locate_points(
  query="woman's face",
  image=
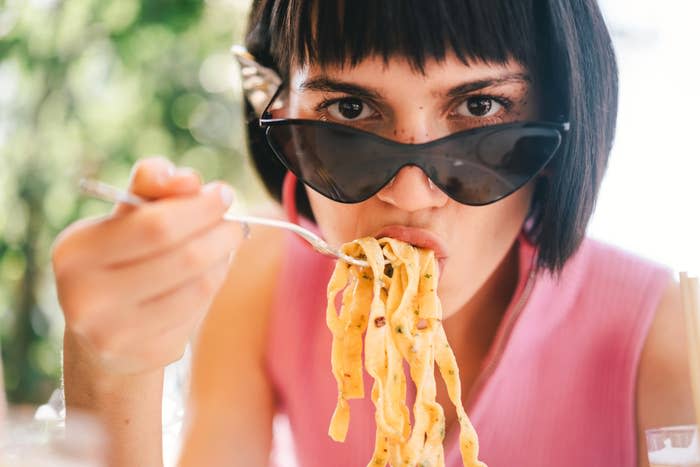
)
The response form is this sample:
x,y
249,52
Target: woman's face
x,y
400,103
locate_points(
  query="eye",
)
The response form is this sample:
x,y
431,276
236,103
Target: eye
x,y
479,106
349,109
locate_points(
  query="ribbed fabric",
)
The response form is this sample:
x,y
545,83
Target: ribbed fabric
x,y
559,384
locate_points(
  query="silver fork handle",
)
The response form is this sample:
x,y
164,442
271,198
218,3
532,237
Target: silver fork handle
x,y
314,240
106,192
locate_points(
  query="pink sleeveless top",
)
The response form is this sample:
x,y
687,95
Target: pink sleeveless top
x,y
556,389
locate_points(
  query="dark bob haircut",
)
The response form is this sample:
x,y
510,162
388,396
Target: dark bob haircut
x,y
564,44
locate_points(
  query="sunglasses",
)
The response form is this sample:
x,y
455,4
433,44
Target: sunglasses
x,y
474,167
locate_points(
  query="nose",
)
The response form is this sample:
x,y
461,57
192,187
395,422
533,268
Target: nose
x,y
411,190
415,126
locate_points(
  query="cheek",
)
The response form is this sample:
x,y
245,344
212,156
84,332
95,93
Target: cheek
x,y
338,222
501,222
478,243
481,237
513,210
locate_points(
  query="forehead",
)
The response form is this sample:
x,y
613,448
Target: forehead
x,y
400,73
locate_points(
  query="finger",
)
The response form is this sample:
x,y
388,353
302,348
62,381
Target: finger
x,y
174,313
188,304
157,177
185,181
149,230
69,242
146,174
156,275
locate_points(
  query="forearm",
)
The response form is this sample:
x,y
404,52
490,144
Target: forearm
x,y
127,406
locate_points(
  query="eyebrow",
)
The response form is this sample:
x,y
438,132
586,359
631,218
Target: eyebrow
x,y
324,83
327,84
471,86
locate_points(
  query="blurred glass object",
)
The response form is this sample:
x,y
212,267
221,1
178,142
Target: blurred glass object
x,y
30,441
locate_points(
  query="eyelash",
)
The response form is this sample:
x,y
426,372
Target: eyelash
x,y
505,102
502,100
325,103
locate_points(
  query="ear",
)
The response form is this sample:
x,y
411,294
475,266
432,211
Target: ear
x,y
259,82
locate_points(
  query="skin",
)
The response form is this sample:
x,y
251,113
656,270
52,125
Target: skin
x,y
119,381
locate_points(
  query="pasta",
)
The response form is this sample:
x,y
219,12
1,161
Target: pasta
x,y
395,305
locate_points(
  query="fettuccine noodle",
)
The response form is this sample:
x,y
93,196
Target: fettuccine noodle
x,y
397,308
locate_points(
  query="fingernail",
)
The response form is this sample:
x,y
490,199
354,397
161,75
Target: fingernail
x,y
226,194
185,172
182,172
165,173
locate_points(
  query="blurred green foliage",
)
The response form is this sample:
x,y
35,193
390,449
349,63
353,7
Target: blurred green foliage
x,y
86,88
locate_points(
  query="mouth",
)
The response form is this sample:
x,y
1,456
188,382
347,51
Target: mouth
x,y
420,238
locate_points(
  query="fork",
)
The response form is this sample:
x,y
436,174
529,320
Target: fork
x,y
106,192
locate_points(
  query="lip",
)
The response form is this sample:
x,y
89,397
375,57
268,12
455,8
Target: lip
x,y
421,238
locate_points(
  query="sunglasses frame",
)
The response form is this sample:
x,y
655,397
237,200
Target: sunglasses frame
x,y
268,122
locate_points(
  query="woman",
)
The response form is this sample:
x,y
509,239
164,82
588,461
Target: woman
x,y
568,349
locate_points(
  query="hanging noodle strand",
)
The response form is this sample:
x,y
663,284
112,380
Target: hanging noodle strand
x,y
394,304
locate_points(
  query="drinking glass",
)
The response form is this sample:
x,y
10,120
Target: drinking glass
x,y
673,446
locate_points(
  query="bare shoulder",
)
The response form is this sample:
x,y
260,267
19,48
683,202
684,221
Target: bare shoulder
x,y
663,386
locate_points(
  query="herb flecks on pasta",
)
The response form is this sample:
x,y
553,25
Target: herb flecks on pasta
x,y
396,307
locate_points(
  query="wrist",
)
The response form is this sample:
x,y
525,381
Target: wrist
x,y
90,384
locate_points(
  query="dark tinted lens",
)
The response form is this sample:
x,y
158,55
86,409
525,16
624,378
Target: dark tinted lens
x,y
475,167
339,163
482,168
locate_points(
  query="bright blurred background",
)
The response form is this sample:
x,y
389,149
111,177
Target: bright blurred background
x,y
86,88
89,86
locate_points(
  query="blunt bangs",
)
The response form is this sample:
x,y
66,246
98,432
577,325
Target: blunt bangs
x,y
346,32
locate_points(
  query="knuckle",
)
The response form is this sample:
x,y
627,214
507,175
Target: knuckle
x,y
67,243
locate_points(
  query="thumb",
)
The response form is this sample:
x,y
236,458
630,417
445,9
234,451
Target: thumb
x,y
157,177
